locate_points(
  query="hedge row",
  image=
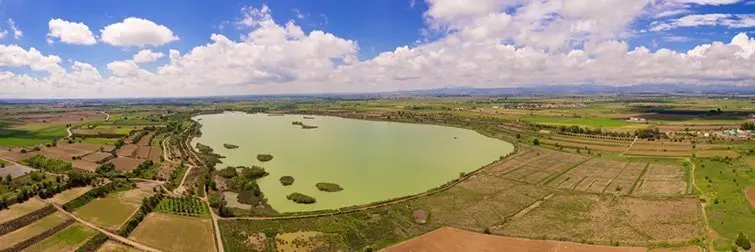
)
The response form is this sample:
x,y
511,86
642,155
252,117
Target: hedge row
x,y
98,192
94,243
27,219
148,204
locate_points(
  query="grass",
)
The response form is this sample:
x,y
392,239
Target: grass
x,y
175,233
728,210
109,212
11,135
590,122
67,239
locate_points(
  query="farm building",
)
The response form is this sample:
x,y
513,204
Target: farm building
x,y
637,119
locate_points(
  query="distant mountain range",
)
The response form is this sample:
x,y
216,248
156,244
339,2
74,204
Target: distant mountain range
x,y
649,89
547,90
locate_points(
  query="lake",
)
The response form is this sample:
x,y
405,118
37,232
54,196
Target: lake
x,y
371,160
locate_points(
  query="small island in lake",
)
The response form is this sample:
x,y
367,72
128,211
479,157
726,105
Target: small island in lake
x,y
230,146
264,157
301,198
308,117
328,187
303,126
287,180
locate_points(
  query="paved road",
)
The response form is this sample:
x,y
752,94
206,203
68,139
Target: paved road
x,y
108,233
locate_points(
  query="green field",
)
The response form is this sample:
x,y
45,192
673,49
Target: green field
x,y
67,239
590,122
10,135
728,210
109,212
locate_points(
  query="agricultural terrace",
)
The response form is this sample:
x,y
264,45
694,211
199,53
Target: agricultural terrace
x,y
170,232
24,236
68,239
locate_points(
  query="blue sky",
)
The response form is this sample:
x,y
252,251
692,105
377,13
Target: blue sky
x,y
364,46
376,25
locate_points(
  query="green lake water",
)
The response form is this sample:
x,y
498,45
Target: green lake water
x,y
372,161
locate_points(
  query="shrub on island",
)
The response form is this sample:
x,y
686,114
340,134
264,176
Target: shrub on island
x,y
301,198
328,187
230,146
264,157
287,180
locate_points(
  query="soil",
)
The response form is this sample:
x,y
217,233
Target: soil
x,y
750,194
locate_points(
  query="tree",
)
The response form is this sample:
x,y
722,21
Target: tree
x,y
536,141
743,241
8,179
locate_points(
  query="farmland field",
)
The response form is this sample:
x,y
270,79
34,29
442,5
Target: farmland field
x,y
113,210
67,239
451,239
18,210
591,122
10,136
126,163
33,229
111,246
603,219
67,195
175,233
728,209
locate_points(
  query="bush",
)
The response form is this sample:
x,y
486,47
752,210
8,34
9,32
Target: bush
x,y
148,204
743,241
254,172
301,198
287,180
328,187
228,172
94,243
264,157
98,192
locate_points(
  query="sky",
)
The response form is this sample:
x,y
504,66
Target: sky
x,y
178,48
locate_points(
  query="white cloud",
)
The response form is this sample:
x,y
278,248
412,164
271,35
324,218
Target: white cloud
x,y
147,55
17,33
509,43
3,34
712,19
137,32
70,32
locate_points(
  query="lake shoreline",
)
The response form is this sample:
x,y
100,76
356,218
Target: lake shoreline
x,y
503,148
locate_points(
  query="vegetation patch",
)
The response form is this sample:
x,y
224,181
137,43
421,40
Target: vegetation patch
x,y
287,180
48,164
328,187
187,205
722,182
264,157
301,198
230,146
